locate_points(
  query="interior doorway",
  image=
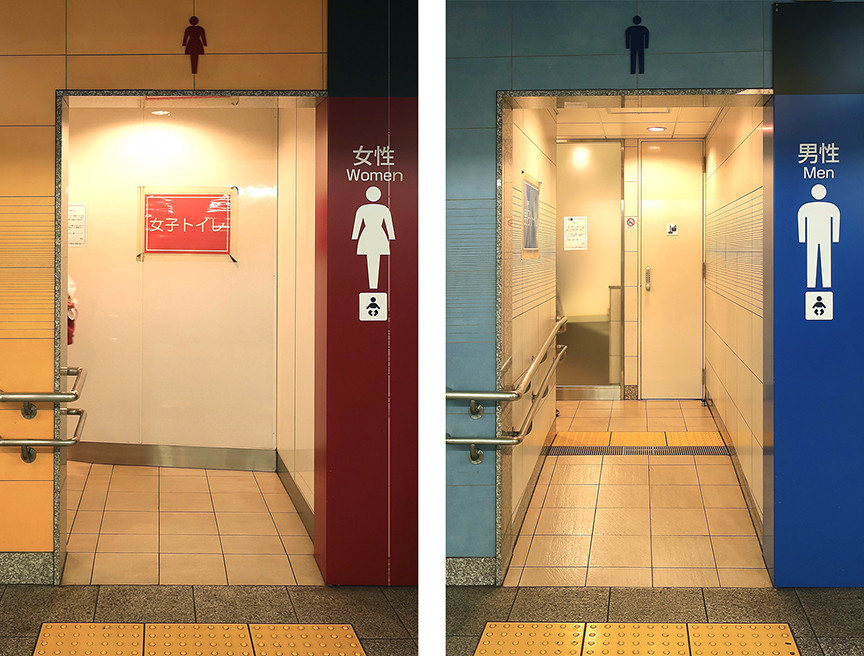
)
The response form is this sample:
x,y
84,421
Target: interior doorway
x,y
654,478
191,248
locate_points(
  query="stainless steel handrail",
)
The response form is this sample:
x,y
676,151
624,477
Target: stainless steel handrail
x,y
519,388
50,397
81,413
476,455
28,452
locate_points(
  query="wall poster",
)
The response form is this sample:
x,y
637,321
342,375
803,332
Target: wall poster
x,y
189,220
575,233
530,218
76,224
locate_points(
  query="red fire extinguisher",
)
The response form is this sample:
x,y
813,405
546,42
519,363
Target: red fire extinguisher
x,y
71,311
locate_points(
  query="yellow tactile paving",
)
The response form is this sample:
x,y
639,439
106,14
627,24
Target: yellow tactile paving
x,y
636,639
70,639
638,438
305,640
742,640
694,438
531,639
582,438
197,640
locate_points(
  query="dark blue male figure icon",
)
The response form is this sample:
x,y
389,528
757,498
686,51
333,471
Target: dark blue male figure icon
x,y
636,39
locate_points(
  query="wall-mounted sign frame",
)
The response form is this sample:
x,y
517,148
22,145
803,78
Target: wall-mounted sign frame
x,y
187,220
530,217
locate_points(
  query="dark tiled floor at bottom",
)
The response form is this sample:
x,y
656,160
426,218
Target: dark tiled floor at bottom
x,y
385,619
824,621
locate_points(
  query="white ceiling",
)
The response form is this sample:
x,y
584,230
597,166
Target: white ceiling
x,y
624,123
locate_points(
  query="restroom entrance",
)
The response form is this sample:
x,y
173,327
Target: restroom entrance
x,y
651,473
191,262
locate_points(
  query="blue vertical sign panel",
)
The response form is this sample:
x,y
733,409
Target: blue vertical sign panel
x,y
819,340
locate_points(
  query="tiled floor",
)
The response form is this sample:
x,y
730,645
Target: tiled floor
x,y
162,525
633,416
638,520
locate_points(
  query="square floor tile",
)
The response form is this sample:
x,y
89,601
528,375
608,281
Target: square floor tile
x,y
717,474
673,475
87,521
289,524
576,475
252,544
620,551
665,424
520,551
130,522
730,521
699,423
623,496
664,413
146,484
82,542
511,579
737,552
685,577
553,576
186,502
589,424
617,424
190,544
259,570
530,521
723,496
235,523
136,501
744,578
114,568
279,502
565,521
78,569
636,577
305,569
678,521
676,496
187,523
252,502
681,551
624,475
571,496
169,485
622,521
558,551
126,543
585,413
192,569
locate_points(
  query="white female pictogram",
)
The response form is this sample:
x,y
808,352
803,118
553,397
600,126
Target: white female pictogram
x,y
377,232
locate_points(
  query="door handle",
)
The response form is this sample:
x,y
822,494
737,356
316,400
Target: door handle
x,y
647,279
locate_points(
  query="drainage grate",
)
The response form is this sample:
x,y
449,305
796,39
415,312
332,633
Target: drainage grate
x,y
638,451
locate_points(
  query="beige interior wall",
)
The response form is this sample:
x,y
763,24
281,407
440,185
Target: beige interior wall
x,y
53,44
533,281
179,348
733,295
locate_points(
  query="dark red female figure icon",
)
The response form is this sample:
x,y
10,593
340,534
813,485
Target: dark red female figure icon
x,y
194,39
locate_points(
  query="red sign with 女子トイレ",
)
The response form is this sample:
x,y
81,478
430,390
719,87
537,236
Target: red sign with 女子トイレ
x,y
187,223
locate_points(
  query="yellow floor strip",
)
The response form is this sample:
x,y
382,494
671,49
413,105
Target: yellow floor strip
x,y
288,639
69,639
642,438
627,639
660,639
531,639
742,639
694,438
582,438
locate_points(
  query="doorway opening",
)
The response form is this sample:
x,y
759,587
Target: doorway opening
x,y
652,206
191,246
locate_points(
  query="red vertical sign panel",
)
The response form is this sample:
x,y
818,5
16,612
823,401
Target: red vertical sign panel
x,y
366,343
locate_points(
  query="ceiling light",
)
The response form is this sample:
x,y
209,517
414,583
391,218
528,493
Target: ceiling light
x,y
656,128
161,112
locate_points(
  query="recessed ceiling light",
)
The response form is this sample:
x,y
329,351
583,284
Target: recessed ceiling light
x,y
656,128
161,112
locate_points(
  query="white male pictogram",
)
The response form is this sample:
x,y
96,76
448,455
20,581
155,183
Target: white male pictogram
x,y
818,226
